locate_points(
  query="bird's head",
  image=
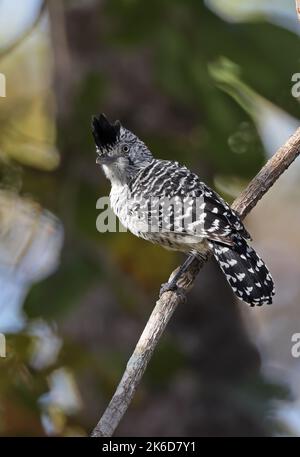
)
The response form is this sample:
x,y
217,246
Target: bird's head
x,y
121,153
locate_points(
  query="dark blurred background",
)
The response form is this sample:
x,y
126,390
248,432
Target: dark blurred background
x,y
208,84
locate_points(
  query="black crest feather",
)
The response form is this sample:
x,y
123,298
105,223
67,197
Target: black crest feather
x,y
105,134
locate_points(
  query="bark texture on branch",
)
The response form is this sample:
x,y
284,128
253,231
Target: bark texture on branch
x,y
168,302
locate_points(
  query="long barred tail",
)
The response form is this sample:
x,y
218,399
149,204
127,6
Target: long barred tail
x,y
245,271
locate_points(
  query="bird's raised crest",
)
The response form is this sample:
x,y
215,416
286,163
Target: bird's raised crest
x,y
105,134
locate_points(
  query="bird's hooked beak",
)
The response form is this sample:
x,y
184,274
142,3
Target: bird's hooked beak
x,y
105,135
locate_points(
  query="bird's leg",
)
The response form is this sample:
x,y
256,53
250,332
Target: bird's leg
x,y
172,285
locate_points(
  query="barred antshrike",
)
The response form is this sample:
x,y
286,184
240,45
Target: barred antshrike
x,y
164,202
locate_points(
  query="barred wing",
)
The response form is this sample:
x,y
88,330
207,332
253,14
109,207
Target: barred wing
x,y
171,198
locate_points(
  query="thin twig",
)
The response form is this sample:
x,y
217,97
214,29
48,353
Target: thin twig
x,y
168,302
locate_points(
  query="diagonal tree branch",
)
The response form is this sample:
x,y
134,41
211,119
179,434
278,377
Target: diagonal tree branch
x,y
168,302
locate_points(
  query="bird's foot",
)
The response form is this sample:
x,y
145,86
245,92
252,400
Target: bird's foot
x,y
172,287
167,287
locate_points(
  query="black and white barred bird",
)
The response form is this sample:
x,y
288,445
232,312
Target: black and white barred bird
x,y
165,203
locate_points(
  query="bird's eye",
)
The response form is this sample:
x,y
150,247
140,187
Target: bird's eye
x,y
125,148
